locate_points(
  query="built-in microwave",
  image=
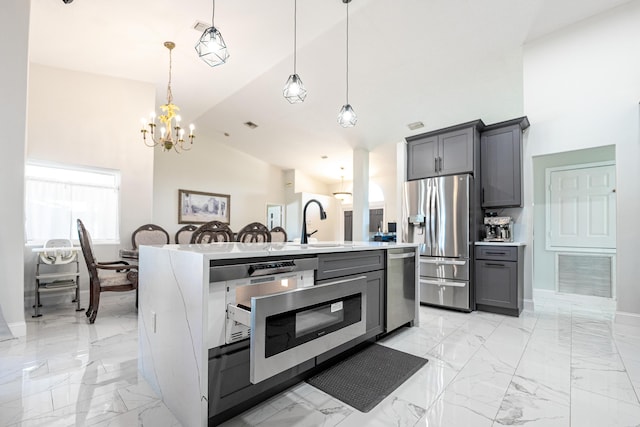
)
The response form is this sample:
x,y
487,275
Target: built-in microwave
x,y
287,319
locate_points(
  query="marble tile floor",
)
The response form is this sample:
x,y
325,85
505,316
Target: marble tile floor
x,y
563,364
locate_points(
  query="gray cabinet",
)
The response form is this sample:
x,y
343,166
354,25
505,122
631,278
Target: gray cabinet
x,y
447,151
343,264
499,279
366,263
501,163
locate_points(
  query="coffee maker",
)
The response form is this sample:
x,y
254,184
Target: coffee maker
x,y
498,228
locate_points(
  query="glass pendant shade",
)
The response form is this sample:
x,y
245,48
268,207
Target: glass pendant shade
x,y
347,117
294,89
211,47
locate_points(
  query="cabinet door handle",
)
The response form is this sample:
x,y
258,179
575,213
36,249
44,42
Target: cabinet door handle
x,y
495,253
435,166
493,264
483,195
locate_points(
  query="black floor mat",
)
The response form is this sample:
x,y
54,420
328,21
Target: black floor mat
x,y
364,379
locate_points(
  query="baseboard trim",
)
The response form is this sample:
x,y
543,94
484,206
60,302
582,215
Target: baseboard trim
x,y
529,305
540,294
624,318
18,329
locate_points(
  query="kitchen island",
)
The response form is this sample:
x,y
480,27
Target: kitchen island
x,y
202,346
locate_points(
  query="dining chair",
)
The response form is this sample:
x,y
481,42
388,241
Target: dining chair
x,y
183,236
112,276
255,232
149,234
213,231
278,234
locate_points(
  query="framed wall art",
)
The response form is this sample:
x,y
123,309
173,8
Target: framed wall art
x,y
197,207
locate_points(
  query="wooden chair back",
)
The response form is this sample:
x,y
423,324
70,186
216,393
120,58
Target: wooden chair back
x,y
214,231
149,234
255,232
183,236
278,234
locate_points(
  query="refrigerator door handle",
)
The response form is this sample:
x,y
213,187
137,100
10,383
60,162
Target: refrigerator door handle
x,y
443,283
435,214
428,215
442,262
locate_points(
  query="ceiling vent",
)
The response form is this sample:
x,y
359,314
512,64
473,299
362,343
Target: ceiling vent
x,y
250,125
200,26
415,125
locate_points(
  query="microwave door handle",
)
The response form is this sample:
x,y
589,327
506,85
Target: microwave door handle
x,y
270,271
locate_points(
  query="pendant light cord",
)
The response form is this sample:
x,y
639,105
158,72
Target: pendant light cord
x,y
213,13
295,34
347,53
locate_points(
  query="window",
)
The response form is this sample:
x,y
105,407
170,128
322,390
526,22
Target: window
x,y
56,195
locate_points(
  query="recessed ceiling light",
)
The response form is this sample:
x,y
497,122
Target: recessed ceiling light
x,y
324,157
250,125
415,125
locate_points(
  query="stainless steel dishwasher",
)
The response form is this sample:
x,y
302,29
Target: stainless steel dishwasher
x,y
401,287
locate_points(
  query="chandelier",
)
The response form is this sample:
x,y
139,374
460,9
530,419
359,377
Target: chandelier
x,y
171,135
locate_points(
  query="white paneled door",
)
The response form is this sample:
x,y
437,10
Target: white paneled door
x,y
581,207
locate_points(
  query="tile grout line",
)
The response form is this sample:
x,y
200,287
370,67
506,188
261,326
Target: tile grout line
x,y
463,366
626,371
516,367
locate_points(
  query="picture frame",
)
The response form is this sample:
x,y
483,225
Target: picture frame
x,y
199,207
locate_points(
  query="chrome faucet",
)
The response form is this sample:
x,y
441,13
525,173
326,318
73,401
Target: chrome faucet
x,y
323,215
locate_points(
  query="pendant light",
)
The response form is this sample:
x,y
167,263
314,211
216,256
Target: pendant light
x,y
294,90
347,117
342,195
211,47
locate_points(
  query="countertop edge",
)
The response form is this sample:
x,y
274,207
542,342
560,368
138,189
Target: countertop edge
x,y
500,244
231,250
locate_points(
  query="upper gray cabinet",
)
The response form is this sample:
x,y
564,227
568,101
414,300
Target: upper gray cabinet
x,y
501,163
443,152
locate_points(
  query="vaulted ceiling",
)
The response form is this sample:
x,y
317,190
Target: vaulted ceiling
x,y
437,61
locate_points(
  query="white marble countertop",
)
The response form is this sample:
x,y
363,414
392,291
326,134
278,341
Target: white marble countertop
x,y
501,244
229,250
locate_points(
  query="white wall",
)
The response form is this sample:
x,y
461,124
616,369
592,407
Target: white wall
x,y
212,167
14,30
581,89
91,120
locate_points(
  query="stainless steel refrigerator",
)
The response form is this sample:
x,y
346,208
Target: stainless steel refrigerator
x,y
437,214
